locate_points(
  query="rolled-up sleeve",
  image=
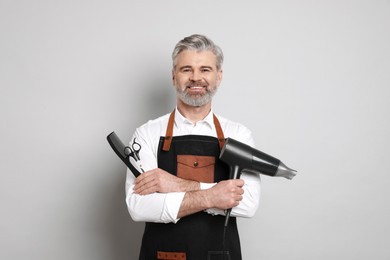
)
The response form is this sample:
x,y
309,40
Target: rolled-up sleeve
x,y
155,207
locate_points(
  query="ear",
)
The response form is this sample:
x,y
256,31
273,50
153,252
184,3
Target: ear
x,y
173,76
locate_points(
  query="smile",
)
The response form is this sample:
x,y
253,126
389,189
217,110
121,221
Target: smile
x,y
195,87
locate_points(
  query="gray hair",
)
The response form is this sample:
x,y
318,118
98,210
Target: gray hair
x,y
198,43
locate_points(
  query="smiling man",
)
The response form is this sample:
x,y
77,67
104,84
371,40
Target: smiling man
x,y
196,77
185,191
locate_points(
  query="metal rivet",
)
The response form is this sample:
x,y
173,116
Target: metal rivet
x,y
195,164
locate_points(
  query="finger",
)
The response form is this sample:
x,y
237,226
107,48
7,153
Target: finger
x,y
240,183
236,203
139,179
147,191
147,188
143,184
146,178
142,177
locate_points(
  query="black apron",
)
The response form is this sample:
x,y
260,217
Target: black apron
x,y
198,236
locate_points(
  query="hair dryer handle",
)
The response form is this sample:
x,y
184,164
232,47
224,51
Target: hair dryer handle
x,y
235,173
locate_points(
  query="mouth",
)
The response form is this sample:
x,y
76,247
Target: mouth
x,y
196,86
196,90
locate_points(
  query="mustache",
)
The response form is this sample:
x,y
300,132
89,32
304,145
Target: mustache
x,y
196,84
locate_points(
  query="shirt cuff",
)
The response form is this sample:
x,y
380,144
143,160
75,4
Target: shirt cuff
x,y
214,211
205,186
172,205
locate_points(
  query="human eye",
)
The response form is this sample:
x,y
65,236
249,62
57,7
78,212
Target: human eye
x,y
206,69
185,69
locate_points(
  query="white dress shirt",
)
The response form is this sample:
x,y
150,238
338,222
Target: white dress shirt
x,y
164,207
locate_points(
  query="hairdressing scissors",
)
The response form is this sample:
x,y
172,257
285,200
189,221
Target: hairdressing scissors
x,y
133,151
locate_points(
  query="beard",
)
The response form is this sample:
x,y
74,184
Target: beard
x,y
196,100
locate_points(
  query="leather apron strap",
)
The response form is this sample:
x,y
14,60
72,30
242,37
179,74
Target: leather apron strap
x,y
218,128
169,132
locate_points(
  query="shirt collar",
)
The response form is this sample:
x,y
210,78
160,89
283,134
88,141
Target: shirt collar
x,y
180,119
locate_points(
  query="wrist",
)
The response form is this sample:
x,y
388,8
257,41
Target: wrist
x,y
207,198
189,185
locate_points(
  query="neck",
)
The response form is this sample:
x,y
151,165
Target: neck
x,y
194,114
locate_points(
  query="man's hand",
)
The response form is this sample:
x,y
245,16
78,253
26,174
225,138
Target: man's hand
x,y
226,194
158,180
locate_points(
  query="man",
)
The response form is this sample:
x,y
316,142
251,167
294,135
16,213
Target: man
x,y
184,193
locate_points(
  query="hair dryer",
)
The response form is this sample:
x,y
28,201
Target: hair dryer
x,y
240,156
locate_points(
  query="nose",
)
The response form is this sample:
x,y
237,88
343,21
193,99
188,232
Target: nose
x,y
195,76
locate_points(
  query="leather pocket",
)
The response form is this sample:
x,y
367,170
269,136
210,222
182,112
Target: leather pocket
x,y
171,255
196,167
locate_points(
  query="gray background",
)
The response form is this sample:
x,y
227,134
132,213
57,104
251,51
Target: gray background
x,y
310,78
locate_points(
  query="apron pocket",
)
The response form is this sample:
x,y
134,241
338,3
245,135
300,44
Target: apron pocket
x,y
171,255
196,167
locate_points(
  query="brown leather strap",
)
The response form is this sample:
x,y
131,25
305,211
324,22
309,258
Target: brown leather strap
x,y
169,132
218,128
171,255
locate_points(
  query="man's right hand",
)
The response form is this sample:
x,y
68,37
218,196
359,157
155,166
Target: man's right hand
x,y
226,194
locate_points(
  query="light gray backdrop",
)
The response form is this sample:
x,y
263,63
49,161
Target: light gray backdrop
x,y
310,78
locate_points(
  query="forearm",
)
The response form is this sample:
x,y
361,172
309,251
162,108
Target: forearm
x,y
223,195
193,202
162,202
158,180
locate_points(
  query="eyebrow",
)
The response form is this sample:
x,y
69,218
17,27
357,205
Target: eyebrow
x,y
190,67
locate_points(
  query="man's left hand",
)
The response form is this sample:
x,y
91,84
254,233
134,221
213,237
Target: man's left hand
x,y
158,180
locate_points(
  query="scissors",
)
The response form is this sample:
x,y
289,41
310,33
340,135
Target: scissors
x,y
133,151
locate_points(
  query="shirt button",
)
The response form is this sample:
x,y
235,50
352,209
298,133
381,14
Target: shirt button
x,y
195,164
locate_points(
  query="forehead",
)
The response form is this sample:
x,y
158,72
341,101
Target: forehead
x,y
196,58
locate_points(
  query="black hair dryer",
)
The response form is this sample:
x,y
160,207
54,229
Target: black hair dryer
x,y
240,156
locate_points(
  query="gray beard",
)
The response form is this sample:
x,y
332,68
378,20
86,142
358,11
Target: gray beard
x,y
196,100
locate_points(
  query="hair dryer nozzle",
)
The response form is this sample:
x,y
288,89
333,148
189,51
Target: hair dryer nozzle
x,y
284,171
